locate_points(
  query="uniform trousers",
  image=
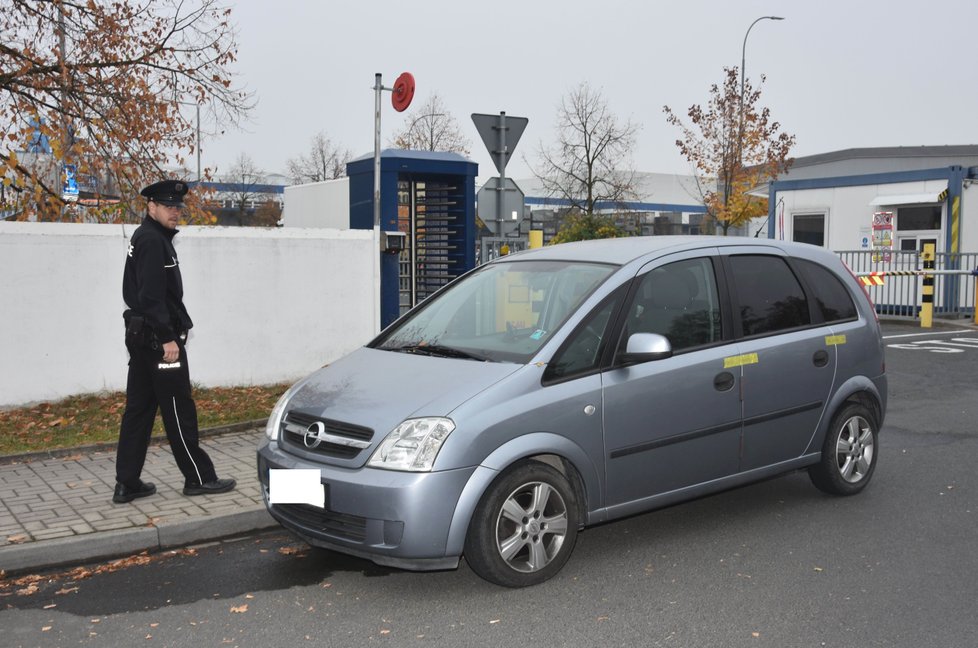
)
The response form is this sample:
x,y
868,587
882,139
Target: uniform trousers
x,y
155,385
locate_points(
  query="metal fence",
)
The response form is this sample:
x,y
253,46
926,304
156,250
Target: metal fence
x,y
899,296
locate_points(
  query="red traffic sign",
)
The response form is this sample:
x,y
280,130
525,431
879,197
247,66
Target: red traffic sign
x,y
403,92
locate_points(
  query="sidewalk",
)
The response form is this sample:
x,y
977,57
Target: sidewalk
x,y
59,511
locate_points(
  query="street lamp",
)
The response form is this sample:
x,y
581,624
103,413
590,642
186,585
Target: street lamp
x,y
743,65
197,106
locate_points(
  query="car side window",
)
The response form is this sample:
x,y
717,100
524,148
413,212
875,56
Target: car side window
x,y
770,297
831,297
679,301
582,352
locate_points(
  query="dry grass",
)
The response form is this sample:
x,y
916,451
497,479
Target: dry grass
x,y
83,420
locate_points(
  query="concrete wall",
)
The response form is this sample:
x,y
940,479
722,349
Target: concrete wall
x,y
268,305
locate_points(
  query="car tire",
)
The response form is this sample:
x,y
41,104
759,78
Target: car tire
x,y
524,528
849,452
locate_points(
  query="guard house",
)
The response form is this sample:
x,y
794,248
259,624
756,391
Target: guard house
x,y
886,203
430,198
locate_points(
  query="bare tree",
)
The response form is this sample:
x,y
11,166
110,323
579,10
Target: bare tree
x,y
325,161
590,162
244,178
98,85
736,147
432,129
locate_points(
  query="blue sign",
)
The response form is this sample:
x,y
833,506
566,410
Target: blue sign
x,y
69,188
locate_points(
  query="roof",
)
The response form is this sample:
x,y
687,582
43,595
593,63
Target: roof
x,y
621,251
958,150
436,156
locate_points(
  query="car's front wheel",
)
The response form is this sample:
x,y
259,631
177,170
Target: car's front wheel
x,y
524,528
849,453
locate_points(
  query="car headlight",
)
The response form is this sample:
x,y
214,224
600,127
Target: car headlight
x,y
413,445
275,418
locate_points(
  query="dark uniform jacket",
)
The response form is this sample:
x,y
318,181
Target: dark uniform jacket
x,y
151,284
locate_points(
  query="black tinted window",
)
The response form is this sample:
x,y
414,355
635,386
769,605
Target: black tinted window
x,y
581,353
679,301
831,297
770,297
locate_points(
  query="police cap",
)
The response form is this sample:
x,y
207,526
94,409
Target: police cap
x,y
166,192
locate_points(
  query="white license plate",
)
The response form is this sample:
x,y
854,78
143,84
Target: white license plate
x,y
296,486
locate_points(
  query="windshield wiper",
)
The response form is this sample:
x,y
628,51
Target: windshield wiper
x,y
440,351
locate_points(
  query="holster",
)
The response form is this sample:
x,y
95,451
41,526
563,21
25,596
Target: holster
x,y
139,333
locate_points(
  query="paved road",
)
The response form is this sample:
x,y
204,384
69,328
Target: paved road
x,y
774,564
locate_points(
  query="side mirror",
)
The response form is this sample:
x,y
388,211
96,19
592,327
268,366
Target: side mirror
x,y
643,347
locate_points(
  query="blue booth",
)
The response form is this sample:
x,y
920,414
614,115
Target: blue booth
x,y
430,198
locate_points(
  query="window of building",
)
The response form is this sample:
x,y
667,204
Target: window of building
x,y
770,299
809,228
919,217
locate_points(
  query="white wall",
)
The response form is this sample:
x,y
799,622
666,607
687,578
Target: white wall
x,y
849,213
318,204
268,305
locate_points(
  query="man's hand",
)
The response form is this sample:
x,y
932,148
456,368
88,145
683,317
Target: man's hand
x,y
171,351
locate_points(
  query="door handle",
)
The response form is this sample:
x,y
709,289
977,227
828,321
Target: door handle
x,y
821,358
724,381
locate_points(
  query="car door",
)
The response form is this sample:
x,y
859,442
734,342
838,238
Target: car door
x,y
674,422
789,357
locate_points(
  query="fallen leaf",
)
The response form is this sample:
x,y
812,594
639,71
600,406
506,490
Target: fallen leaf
x,y
241,609
154,625
17,539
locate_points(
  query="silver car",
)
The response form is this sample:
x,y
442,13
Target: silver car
x,y
575,384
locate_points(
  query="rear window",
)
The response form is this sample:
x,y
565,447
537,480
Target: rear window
x,y
831,297
770,298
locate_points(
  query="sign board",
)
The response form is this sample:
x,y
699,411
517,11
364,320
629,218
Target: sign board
x,y
488,206
882,236
500,133
69,186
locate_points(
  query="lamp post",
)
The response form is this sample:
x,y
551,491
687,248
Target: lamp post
x,y
743,65
197,107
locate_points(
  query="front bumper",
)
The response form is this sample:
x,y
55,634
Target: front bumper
x,y
397,519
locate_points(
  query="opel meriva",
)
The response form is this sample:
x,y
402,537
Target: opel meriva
x,y
571,385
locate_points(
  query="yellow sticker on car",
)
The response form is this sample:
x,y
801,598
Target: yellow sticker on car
x,y
834,340
740,360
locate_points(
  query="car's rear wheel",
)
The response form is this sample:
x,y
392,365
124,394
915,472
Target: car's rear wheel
x,y
849,452
524,528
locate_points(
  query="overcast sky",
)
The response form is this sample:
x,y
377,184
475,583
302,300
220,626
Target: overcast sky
x,y
840,73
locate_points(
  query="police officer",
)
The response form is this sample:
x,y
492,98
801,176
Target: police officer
x,y
156,334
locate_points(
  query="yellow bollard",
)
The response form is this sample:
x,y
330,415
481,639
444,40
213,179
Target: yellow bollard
x,y
536,239
927,297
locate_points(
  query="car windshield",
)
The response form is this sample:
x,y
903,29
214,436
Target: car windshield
x,y
502,312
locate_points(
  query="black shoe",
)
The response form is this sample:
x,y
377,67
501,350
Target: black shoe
x,y
124,494
210,488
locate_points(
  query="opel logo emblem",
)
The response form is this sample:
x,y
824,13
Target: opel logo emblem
x,y
313,432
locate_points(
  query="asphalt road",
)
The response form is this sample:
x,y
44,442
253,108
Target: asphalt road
x,y
774,564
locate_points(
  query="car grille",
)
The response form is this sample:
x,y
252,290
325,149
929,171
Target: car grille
x,y
340,440
340,525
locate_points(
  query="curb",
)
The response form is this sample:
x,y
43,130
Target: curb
x,y
106,545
